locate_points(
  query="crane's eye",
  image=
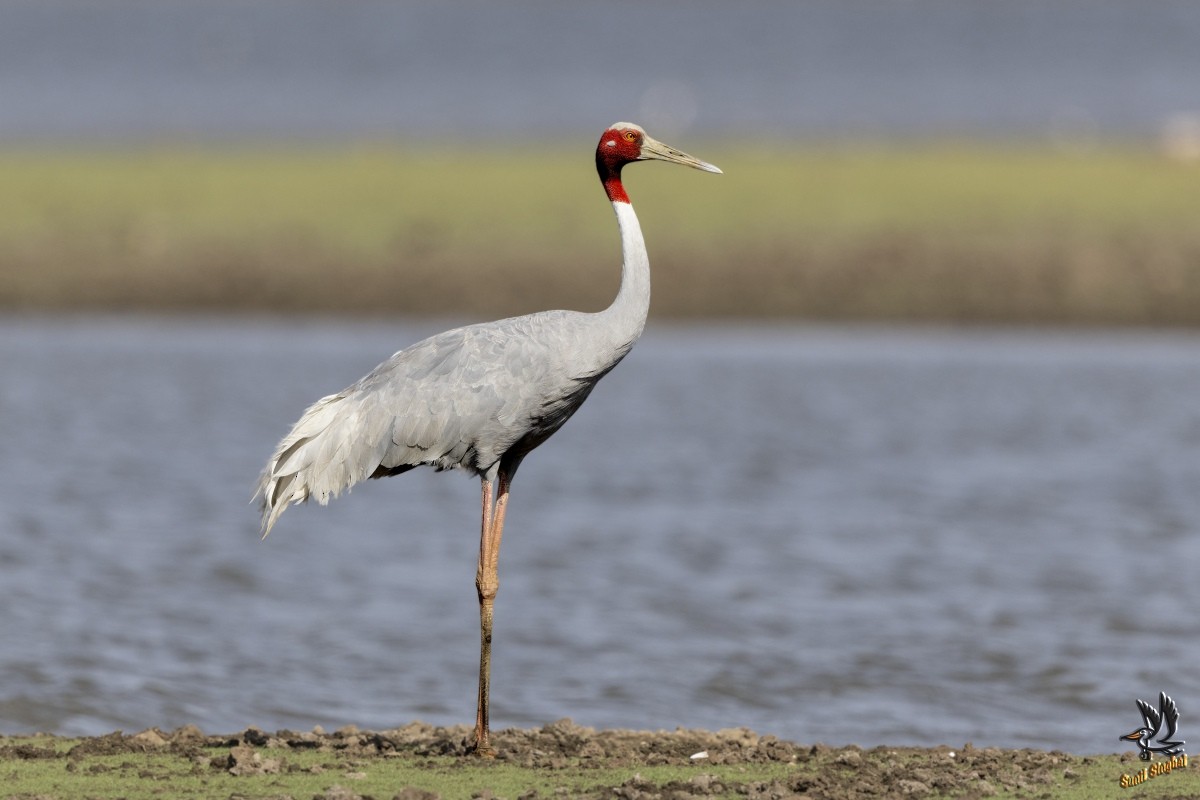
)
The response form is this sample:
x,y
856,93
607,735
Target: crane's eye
x,y
630,136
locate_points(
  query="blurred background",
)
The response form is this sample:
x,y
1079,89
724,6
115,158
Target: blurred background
x,y
907,454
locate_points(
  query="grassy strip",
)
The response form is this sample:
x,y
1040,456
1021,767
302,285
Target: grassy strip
x,y
420,763
925,232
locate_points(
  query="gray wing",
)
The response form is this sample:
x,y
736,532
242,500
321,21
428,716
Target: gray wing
x,y
460,399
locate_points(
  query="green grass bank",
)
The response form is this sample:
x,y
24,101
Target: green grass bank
x,y
929,232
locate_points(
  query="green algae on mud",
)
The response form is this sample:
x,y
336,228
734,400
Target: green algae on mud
x,y
854,231
421,762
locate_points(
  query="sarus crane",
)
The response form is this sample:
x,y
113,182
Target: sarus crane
x,y
477,398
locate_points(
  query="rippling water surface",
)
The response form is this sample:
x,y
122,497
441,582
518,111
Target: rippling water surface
x,y
839,535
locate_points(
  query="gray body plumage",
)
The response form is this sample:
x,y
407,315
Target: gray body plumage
x,y
472,398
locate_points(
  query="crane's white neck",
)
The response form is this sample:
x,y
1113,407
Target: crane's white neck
x,y
628,312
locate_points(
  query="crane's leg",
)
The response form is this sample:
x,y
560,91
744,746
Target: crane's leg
x,y
487,583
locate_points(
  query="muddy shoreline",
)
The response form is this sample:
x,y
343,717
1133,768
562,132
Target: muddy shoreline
x,y
563,748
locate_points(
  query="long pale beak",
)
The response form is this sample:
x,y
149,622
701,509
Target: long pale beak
x,y
654,149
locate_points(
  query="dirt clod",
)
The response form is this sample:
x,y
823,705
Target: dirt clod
x,y
413,793
245,760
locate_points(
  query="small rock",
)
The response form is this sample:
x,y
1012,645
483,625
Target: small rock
x,y
908,787
149,738
591,750
336,792
188,734
413,793
851,758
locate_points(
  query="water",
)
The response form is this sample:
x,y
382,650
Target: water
x,y
213,69
840,535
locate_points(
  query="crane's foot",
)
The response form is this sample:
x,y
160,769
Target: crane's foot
x,y
482,749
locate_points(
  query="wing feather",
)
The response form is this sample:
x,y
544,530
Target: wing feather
x,y
460,399
428,404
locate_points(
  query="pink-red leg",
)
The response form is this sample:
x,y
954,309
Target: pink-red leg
x,y
487,583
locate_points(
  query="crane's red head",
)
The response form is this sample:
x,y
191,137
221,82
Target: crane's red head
x,y
624,143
